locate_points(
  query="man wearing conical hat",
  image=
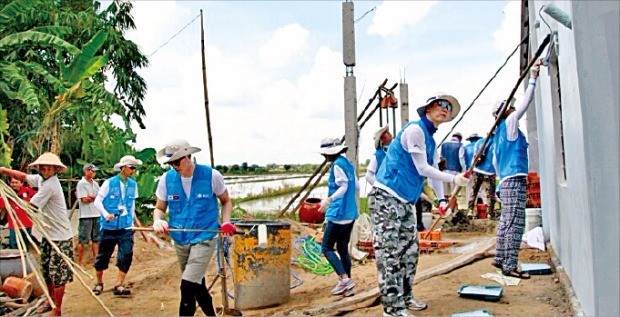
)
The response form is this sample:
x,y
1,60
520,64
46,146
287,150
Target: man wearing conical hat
x,y
190,192
50,200
116,202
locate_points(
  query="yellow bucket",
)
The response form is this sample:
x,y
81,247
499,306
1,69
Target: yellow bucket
x,y
262,275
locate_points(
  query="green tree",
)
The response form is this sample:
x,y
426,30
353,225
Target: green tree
x,y
40,66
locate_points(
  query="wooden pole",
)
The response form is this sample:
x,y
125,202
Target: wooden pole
x,y
452,204
204,88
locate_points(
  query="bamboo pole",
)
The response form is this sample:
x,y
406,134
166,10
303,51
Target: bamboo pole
x,y
310,190
71,265
204,88
452,204
318,169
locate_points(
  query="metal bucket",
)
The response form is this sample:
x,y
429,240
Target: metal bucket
x,y
262,275
11,264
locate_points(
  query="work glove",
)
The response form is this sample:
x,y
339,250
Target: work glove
x,y
535,70
325,204
160,226
228,229
461,179
443,209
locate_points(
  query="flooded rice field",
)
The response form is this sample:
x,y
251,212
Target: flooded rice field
x,y
244,186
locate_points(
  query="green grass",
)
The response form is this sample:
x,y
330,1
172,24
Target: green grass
x,y
272,192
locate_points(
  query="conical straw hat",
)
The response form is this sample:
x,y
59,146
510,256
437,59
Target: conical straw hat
x,y
48,158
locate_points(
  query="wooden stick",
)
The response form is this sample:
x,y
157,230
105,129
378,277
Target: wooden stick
x,y
453,204
70,263
440,269
318,169
325,169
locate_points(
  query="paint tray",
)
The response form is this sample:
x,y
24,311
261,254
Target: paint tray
x,y
473,313
483,292
535,268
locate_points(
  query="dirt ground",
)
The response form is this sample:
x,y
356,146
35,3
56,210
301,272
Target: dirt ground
x,y
155,278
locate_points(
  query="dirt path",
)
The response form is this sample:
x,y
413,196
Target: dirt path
x,y
155,277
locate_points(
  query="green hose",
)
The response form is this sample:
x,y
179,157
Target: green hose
x,y
311,258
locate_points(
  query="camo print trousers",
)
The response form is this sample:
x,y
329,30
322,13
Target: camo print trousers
x,y
395,240
511,222
55,269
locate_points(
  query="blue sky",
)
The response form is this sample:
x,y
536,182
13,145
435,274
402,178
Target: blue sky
x,y
275,71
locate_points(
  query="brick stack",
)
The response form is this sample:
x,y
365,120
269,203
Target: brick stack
x,y
533,190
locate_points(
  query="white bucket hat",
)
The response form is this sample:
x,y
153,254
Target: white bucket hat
x,y
331,146
497,106
127,160
456,107
378,134
175,150
48,158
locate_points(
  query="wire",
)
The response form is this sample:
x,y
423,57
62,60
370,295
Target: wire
x,y
170,39
373,9
525,38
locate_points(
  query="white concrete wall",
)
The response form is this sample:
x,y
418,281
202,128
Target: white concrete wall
x,y
582,212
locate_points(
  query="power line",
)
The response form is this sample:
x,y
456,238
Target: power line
x,y
170,39
483,88
373,9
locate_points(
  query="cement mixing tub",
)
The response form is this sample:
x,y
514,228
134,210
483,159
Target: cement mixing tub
x,y
262,274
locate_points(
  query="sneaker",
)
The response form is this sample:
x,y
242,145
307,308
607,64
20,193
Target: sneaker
x,y
342,286
348,293
415,304
399,313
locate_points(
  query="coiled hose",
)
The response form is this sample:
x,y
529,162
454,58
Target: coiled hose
x,y
310,256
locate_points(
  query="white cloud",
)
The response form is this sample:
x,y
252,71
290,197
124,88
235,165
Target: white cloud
x,y
284,46
508,35
272,99
393,17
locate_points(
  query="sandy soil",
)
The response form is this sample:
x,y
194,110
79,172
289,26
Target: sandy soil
x,y
155,278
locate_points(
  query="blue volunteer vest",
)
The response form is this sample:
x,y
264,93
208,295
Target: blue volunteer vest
x,y
115,198
469,153
379,155
450,151
511,156
343,208
200,211
487,164
398,171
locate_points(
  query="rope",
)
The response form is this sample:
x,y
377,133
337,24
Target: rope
x,y
525,38
170,39
310,258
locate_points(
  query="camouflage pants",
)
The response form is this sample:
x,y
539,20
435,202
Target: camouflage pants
x,y
55,269
395,240
477,180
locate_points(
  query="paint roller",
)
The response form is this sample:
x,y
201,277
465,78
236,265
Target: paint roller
x,y
558,15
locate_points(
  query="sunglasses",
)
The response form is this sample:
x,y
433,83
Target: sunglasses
x,y
176,163
444,104
133,168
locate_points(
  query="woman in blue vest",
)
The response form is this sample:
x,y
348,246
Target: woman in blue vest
x,y
116,202
191,193
340,208
410,159
512,167
468,156
382,139
484,173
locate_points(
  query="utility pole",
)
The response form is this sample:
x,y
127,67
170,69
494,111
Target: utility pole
x,y
404,103
350,99
204,88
